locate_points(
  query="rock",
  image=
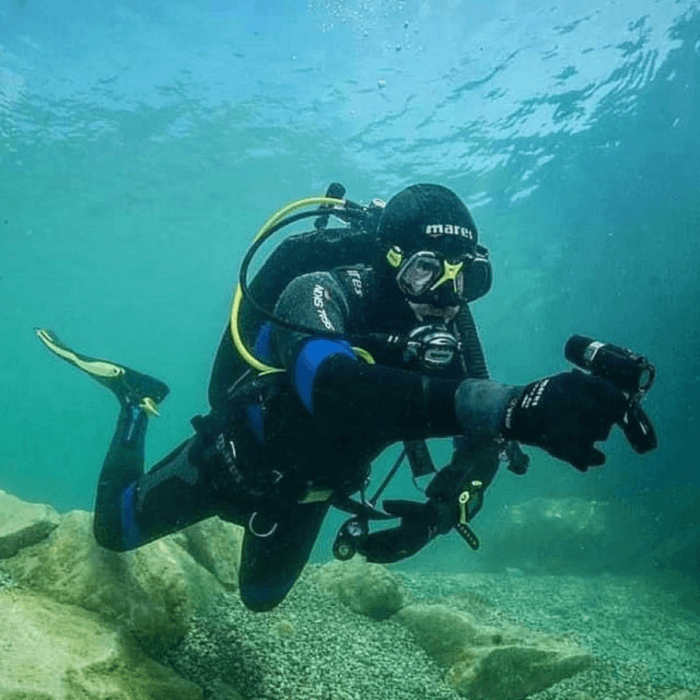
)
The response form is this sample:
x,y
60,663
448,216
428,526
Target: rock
x,y
685,695
444,632
53,651
216,545
222,691
23,524
368,589
153,591
485,662
564,536
515,672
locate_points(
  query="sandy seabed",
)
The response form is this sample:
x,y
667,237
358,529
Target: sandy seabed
x,y
644,633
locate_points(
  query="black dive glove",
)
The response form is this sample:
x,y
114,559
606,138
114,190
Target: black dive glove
x,y
420,523
565,414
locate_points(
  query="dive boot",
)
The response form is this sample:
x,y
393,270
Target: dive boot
x,y
129,386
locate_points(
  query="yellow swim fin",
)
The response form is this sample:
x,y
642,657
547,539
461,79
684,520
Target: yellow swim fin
x,y
126,384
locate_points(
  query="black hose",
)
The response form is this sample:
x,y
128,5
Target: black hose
x,y
472,352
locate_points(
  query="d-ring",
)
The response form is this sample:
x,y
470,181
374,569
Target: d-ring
x,y
260,534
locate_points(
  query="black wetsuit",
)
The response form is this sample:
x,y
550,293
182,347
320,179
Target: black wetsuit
x,y
276,445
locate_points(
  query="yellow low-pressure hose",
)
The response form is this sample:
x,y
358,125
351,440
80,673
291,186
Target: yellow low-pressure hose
x,y
238,294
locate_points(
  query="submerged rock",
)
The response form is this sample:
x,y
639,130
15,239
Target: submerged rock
x,y
445,632
153,591
484,661
76,619
23,524
368,589
492,663
215,545
54,651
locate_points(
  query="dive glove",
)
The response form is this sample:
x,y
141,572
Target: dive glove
x,y
565,414
420,523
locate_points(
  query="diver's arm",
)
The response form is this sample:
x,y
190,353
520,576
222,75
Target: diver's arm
x,y
315,301
564,414
341,390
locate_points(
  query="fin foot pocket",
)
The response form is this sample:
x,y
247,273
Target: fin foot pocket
x,y
126,384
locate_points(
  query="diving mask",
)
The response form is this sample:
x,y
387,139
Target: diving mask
x,y
424,273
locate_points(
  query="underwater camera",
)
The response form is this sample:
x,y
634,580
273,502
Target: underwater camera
x,y
631,373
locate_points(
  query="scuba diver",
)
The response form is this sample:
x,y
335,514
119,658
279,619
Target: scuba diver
x,y
347,340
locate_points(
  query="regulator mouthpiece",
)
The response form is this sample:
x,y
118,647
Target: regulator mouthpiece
x,y
432,346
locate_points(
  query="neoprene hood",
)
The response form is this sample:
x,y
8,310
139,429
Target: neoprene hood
x,y
428,217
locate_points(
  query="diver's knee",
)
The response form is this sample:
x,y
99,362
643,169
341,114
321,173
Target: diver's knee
x,y
108,538
259,598
256,605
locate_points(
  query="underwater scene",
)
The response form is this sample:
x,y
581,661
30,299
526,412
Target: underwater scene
x,y
151,151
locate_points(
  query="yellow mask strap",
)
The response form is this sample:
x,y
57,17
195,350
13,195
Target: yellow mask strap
x,y
394,256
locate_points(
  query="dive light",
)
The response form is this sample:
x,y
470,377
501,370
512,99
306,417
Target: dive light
x,y
631,373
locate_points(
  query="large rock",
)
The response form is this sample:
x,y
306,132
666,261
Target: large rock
x,y
565,536
23,524
368,589
53,651
491,663
445,633
215,545
153,591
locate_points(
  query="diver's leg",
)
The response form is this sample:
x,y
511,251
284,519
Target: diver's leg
x,y
188,485
276,547
123,466
195,481
138,395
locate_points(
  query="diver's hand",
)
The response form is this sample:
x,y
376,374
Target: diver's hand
x,y
565,414
518,461
417,527
436,516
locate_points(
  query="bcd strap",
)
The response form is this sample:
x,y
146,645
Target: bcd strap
x,y
468,535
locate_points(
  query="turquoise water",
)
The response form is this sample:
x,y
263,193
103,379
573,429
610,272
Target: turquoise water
x,y
143,143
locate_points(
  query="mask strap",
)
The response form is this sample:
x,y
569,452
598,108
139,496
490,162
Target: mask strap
x,y
394,256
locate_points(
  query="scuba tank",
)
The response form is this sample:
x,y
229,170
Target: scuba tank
x,y
323,248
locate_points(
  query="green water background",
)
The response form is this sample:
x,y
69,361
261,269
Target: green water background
x,y
143,144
